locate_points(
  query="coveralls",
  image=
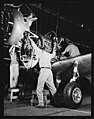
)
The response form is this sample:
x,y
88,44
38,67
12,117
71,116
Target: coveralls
x,y
72,50
45,75
14,67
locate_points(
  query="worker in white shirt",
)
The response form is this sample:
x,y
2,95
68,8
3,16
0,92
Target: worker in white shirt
x,y
70,51
14,66
21,25
45,75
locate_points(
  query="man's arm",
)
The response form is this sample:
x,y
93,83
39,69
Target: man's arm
x,y
54,51
64,54
67,49
12,49
38,50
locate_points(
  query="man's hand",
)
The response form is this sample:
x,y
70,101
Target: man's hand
x,y
63,57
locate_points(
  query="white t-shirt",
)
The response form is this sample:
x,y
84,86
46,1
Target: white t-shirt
x,y
72,50
44,57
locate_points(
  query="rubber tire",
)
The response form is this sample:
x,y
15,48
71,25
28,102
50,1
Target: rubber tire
x,y
67,93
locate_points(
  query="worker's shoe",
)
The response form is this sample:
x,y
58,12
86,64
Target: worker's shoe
x,y
40,106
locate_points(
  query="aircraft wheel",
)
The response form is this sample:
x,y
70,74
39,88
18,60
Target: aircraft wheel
x,y
73,95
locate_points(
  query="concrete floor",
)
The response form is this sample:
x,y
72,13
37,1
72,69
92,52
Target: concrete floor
x,y
23,108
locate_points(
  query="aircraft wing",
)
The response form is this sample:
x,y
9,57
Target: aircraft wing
x,y
84,65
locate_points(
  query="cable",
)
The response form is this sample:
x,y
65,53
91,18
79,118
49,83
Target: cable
x,y
36,27
29,9
12,5
57,18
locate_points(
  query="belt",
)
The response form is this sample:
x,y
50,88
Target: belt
x,y
46,67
